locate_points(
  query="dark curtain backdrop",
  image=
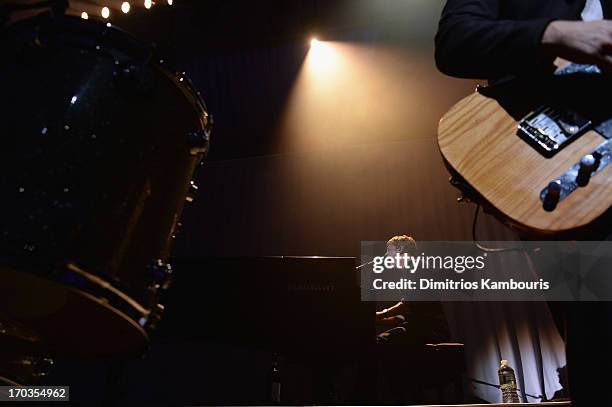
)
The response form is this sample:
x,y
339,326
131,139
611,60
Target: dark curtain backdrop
x,y
325,202
263,194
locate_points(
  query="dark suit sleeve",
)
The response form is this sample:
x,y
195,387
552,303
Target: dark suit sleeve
x,y
474,42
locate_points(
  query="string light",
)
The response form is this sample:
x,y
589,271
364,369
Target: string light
x,y
148,4
105,12
84,15
125,7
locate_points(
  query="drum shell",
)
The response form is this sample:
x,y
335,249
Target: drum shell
x,y
96,163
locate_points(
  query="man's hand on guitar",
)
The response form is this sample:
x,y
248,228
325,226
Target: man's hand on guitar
x,y
581,42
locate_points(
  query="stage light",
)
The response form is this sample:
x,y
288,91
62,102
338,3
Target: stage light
x,y
347,94
125,7
84,15
323,57
148,4
105,12
170,2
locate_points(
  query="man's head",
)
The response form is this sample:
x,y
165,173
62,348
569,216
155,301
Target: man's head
x,y
400,245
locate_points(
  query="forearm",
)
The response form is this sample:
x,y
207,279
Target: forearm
x,y
392,311
392,321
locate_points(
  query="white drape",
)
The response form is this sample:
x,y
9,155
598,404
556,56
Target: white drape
x,y
524,333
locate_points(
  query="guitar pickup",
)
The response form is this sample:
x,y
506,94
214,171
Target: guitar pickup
x,y
550,129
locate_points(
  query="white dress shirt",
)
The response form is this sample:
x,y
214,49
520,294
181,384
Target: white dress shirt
x,y
592,11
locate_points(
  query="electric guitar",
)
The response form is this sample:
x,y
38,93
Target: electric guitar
x,y
536,152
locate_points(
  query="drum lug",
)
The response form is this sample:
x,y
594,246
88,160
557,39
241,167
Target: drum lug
x,y
176,228
199,141
40,366
161,277
191,192
155,316
161,274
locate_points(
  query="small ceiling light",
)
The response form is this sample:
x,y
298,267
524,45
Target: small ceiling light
x,y
125,7
105,12
84,15
148,4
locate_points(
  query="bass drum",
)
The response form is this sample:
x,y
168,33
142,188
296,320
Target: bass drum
x,y
99,144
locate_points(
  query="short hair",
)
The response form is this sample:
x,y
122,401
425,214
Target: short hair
x,y
403,243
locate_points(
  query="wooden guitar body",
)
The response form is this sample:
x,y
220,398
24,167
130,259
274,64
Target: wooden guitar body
x,y
479,142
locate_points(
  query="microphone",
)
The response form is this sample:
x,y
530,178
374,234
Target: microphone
x,y
370,262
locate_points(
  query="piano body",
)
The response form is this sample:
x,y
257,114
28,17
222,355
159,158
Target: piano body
x,y
308,307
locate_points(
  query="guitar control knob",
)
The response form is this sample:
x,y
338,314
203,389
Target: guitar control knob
x,y
553,194
587,166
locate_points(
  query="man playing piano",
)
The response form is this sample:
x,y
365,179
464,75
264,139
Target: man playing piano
x,y
414,324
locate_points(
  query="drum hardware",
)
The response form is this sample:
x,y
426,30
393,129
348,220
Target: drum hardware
x,y
155,317
39,367
92,284
19,370
199,141
161,279
161,274
177,229
193,94
191,192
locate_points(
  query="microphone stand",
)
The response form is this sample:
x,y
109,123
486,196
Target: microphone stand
x,y
363,265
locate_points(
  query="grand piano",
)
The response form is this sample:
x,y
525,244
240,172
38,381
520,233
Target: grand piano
x,y
306,313
300,306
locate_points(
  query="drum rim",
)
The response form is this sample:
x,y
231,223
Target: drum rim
x,y
94,288
8,380
115,37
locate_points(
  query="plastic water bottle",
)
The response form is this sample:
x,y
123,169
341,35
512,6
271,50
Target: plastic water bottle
x,y
507,383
